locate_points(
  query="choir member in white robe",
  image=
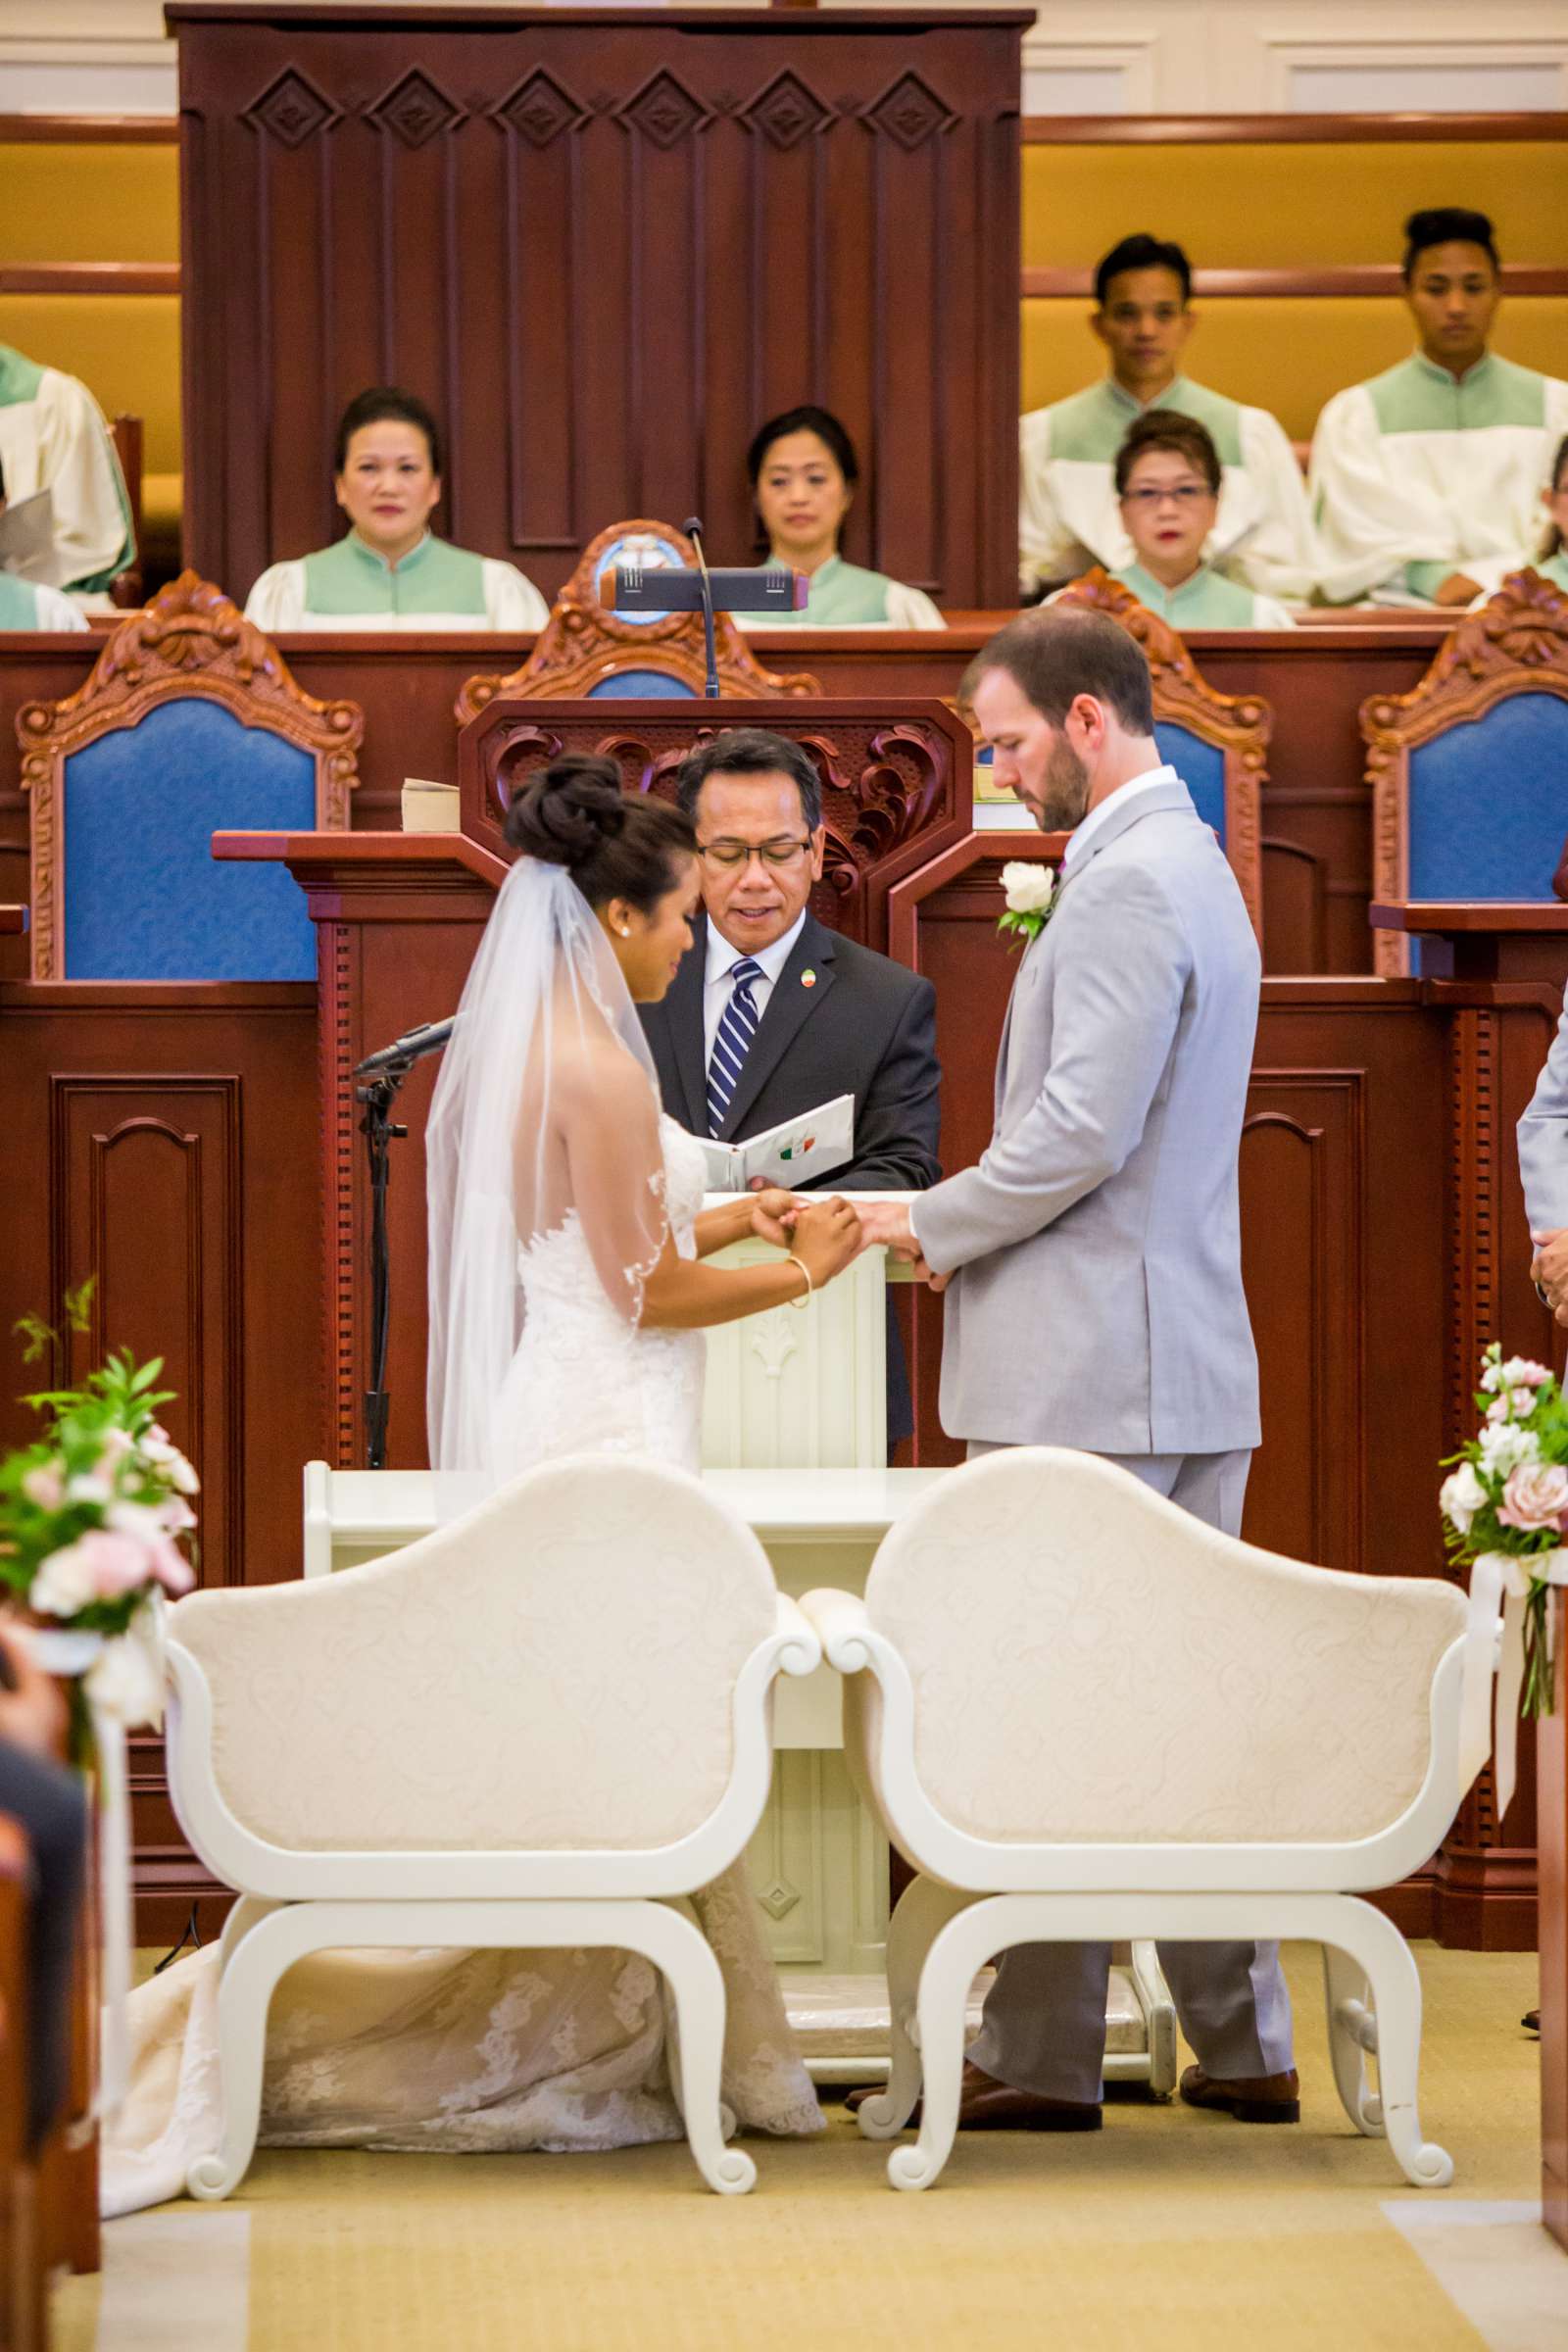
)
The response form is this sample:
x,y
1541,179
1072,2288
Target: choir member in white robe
x,y
1425,481
1551,559
1068,512
1168,483
803,472
53,437
390,571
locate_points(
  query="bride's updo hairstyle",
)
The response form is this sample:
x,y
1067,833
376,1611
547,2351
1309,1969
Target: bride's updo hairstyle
x,y
613,844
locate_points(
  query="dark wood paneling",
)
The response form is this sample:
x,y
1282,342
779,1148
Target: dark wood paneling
x,y
351,206
165,1139
88,130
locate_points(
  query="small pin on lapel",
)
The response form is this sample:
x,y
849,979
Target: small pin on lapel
x,y
807,979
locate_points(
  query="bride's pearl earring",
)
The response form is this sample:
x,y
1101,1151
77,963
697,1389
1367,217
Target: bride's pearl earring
x,y
624,929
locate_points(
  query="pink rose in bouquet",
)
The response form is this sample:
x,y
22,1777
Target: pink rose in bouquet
x,y
1534,1496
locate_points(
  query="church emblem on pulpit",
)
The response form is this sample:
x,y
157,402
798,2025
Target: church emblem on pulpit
x,y
639,551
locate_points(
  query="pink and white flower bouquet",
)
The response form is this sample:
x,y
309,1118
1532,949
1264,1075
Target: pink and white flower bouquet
x,y
92,1519
1507,1493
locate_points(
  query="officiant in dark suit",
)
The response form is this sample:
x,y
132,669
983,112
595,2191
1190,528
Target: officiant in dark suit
x,y
772,1014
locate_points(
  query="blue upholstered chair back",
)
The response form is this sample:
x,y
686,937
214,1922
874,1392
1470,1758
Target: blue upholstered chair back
x,y
646,685
144,897
1200,767
1487,806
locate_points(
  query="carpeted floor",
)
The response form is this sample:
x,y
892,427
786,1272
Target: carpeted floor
x,y
1170,2228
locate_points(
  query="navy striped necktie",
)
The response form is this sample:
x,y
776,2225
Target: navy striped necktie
x,y
732,1041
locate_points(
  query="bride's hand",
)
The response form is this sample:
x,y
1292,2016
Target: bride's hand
x,y
826,1238
774,1214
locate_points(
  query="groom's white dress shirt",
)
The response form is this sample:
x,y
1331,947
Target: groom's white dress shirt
x,y
1113,805
721,961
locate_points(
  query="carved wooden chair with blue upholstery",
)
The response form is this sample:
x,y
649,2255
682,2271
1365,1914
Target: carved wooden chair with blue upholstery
x,y
188,725
1219,743
1467,769
586,652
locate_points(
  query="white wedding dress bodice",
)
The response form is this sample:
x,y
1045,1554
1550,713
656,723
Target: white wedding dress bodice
x,y
586,1381
490,2052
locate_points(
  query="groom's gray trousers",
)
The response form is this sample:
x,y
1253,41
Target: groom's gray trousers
x,y
1044,2027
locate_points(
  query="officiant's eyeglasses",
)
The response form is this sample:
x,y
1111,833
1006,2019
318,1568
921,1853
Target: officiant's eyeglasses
x,y
733,853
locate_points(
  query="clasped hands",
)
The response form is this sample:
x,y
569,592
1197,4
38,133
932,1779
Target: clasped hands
x,y
1549,1268
883,1224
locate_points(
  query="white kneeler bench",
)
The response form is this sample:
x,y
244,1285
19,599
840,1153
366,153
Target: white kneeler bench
x,y
453,1746
1082,1715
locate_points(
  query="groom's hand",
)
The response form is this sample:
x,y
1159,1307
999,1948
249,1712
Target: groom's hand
x,y
885,1225
1549,1270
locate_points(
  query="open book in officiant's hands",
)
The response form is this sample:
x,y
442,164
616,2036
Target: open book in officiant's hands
x,y
793,1153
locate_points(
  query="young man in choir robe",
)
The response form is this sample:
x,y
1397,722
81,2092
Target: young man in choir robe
x,y
390,571
1168,485
1425,480
820,1016
1068,515
53,437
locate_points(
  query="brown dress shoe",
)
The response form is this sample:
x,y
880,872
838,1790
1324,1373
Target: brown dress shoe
x,y
987,2105
1252,2099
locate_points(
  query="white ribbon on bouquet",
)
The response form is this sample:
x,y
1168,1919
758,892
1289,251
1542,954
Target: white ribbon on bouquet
x,y
121,1676
1494,1676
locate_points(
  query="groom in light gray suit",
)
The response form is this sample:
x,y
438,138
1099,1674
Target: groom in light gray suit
x,y
1543,1166
1094,1259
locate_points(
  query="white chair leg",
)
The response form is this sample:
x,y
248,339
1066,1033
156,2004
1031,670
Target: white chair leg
x,y
1388,1964
683,1954
244,1914
959,1950
1352,2033
923,1911
257,1957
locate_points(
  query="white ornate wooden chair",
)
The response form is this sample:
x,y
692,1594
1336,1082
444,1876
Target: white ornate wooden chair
x,y
545,1724
1083,1715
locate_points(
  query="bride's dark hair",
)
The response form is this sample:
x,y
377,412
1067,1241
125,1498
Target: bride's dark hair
x,y
613,844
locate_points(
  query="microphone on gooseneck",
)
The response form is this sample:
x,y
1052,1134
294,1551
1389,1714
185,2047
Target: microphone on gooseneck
x,y
692,527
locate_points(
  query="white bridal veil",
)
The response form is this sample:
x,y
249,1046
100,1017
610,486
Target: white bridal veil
x,y
546,1110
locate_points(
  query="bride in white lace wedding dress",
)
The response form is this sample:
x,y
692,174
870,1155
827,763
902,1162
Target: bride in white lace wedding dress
x,y
569,1300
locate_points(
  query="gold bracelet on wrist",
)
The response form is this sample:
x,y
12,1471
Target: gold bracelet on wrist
x,y
809,1284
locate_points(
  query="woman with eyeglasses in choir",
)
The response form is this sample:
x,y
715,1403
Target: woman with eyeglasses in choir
x,y
1167,487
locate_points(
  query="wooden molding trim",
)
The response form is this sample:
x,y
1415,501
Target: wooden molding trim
x,y
89,130
1286,131
1515,643
1381,278
190,640
89,277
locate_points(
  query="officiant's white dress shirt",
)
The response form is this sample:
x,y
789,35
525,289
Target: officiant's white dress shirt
x,y
721,961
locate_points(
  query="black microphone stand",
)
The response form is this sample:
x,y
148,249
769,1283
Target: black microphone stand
x,y
694,533
378,1095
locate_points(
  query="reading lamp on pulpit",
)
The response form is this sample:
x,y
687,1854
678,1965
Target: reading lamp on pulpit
x,y
761,588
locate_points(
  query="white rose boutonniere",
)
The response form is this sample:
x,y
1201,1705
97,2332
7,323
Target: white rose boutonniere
x,y
1031,895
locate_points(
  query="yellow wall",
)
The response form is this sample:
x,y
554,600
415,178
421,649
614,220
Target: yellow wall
x,y
1287,206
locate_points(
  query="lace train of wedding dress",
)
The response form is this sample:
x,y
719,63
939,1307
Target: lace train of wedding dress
x,y
489,2051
